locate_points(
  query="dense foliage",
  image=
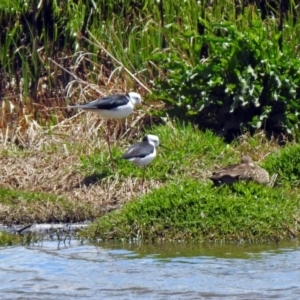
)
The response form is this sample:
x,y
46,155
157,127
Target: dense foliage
x,y
229,65
245,82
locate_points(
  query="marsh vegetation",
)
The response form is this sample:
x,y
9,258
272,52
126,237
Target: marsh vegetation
x,y
222,80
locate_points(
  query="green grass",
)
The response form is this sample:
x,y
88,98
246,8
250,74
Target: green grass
x,y
28,207
286,163
188,207
191,210
15,197
132,33
181,202
7,239
189,151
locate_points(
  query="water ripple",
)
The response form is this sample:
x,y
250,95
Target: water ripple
x,y
114,271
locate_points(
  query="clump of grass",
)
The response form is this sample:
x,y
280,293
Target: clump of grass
x,y
286,163
258,145
190,210
27,207
7,239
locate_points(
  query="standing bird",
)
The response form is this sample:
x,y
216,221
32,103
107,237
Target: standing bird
x,y
141,154
247,170
112,107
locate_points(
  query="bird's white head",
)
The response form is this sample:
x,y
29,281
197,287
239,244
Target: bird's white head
x,y
135,98
152,139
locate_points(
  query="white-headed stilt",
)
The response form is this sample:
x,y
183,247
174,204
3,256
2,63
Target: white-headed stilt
x,y
112,107
141,154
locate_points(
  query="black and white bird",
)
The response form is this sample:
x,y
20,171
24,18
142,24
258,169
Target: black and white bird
x,y
141,154
112,107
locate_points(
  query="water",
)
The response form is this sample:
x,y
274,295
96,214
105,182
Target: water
x,y
167,271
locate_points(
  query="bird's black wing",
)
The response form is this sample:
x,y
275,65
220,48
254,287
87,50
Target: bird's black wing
x,y
140,149
108,102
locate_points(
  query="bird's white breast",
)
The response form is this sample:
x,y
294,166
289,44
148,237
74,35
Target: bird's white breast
x,y
143,161
120,112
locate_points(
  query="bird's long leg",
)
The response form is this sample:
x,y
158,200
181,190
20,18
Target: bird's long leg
x,y
108,144
143,180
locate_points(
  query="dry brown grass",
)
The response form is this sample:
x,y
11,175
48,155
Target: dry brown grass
x,y
41,142
49,163
258,146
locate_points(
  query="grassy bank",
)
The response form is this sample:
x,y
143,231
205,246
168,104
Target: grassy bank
x,y
70,181
188,207
191,210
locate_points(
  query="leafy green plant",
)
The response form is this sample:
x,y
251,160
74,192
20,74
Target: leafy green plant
x,y
246,82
